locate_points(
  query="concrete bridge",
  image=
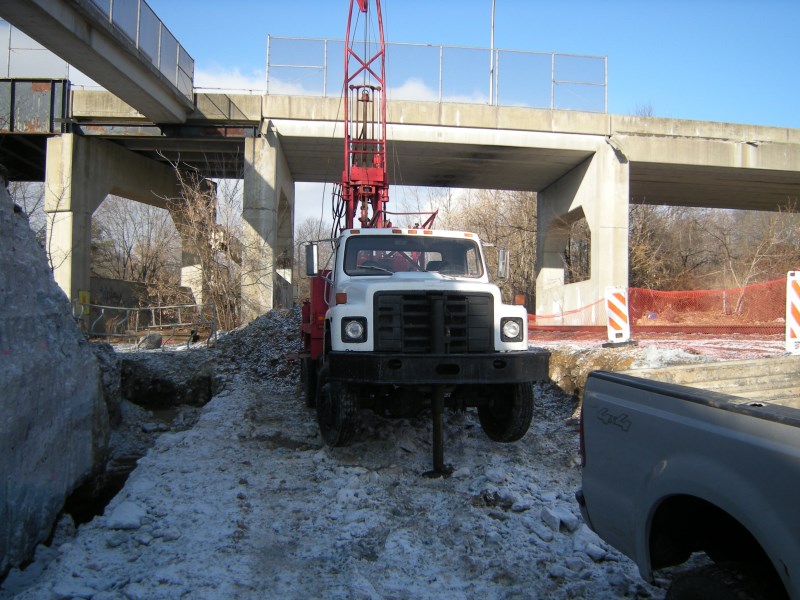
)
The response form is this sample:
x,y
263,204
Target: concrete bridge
x,y
580,164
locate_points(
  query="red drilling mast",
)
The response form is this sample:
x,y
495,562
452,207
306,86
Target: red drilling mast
x,y
365,184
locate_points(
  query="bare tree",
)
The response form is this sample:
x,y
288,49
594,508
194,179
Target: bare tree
x,y
504,218
578,251
752,246
310,230
215,245
29,196
138,242
644,109
418,204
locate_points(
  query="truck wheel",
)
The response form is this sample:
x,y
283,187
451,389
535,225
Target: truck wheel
x,y
715,582
507,416
308,379
337,410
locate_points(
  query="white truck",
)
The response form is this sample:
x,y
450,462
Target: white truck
x,y
699,461
407,319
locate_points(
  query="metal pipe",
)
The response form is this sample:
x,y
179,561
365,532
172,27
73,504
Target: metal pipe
x,y
269,46
441,70
438,430
138,22
491,59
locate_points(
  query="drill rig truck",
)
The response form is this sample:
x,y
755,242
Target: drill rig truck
x,y
406,319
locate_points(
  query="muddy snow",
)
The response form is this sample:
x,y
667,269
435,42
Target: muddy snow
x,y
248,503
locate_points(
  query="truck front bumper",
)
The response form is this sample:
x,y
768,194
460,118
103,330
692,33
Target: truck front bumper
x,y
425,369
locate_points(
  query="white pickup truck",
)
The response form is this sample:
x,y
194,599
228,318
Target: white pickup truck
x,y
699,463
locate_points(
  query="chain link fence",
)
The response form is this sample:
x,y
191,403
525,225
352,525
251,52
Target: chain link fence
x,y
314,67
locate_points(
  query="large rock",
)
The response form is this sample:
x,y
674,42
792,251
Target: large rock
x,y
53,420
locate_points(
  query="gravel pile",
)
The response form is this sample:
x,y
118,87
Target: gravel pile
x,y
260,350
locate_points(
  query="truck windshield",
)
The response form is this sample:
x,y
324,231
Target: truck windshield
x,y
375,255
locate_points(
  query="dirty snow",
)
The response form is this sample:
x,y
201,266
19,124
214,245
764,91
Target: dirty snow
x,y
248,503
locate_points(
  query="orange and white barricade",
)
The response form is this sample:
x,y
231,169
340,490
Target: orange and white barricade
x,y
793,312
619,327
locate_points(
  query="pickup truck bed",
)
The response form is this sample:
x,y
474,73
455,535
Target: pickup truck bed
x,y
698,458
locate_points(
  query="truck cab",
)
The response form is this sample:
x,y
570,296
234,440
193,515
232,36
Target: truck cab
x,y
409,314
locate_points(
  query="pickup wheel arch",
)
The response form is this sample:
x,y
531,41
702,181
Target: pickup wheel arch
x,y
686,524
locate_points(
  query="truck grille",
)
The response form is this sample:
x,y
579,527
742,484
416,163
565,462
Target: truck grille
x,y
409,322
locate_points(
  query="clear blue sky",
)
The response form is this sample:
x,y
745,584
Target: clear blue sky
x,y
732,61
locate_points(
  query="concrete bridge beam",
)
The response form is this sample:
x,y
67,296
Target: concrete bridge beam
x,y
597,189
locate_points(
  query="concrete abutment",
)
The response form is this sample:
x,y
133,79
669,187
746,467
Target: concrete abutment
x,y
597,189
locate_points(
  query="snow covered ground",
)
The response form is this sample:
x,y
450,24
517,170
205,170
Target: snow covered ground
x,y
248,503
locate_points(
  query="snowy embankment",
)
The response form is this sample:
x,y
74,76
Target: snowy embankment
x,y
248,503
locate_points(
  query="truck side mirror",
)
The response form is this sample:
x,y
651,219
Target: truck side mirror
x,y
312,259
503,263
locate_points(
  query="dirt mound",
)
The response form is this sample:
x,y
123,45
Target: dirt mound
x,y
261,347
571,365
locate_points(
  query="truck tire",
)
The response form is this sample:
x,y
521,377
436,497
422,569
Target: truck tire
x,y
308,380
715,582
337,410
507,416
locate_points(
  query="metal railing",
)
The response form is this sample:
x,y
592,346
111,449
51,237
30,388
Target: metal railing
x,y
314,67
23,57
141,25
181,323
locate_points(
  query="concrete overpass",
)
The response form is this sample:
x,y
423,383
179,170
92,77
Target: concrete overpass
x,y
672,162
580,164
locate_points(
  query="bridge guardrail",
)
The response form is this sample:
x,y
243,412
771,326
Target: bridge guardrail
x,y
151,37
23,57
314,67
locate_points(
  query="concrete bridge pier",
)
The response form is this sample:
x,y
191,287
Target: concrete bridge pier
x,y
268,214
191,262
194,216
597,189
80,172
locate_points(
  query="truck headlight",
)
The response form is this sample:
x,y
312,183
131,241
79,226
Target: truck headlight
x,y
511,329
354,330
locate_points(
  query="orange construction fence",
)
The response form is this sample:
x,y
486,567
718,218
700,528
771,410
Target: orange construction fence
x,y
758,308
